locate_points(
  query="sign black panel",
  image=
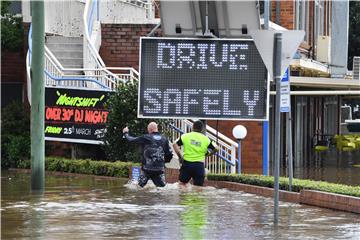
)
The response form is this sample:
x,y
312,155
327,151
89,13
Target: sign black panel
x,y
73,115
202,78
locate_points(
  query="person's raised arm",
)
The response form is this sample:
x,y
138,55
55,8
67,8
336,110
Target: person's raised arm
x,y
131,138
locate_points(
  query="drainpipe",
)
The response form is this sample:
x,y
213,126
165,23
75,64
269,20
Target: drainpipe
x,y
277,14
266,14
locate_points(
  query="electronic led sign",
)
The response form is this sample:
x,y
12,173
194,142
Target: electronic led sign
x,y
75,115
202,78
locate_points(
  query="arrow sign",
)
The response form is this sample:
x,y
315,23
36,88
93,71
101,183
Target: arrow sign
x,y
264,41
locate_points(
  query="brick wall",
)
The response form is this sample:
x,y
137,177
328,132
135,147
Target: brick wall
x,y
287,14
120,43
12,67
251,146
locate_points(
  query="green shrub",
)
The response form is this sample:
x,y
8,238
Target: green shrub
x,y
123,112
297,184
15,134
84,166
11,29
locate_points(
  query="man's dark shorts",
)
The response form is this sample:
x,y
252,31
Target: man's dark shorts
x,y
157,178
194,170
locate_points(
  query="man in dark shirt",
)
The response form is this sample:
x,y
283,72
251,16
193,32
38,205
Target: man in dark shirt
x,y
156,151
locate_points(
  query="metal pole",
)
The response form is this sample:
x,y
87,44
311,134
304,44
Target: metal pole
x,y
277,76
321,93
239,156
37,97
266,148
289,144
266,14
266,123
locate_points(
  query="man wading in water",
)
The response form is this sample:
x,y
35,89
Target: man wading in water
x,y
156,151
196,148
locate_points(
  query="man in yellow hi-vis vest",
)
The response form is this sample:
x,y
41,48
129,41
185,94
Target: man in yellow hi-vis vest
x,y
196,147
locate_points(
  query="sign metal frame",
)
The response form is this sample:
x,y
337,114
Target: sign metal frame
x,y
71,140
209,118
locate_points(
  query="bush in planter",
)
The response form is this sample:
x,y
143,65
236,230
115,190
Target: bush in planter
x,y
84,166
122,107
15,134
297,184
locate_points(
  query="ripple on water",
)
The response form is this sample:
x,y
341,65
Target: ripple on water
x,y
121,209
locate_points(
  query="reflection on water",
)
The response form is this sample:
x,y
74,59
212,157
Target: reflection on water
x,y
86,207
331,166
194,216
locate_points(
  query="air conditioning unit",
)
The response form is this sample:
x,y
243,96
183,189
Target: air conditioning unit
x,y
323,49
356,68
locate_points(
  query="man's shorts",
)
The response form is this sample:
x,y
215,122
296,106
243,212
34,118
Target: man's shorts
x,y
194,170
157,178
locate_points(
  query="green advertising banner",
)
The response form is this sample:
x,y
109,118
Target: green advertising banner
x,y
75,115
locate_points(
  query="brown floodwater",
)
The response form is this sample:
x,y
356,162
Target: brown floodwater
x,y
331,166
74,207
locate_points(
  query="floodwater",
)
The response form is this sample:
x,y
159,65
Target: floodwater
x,y
331,166
74,207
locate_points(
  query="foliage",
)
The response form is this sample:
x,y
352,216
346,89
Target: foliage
x,y
15,134
297,184
123,112
354,33
11,29
84,166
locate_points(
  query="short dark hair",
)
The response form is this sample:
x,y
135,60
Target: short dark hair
x,y
198,126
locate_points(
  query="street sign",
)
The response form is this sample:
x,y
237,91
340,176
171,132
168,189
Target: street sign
x,y
135,174
285,103
202,78
75,115
264,40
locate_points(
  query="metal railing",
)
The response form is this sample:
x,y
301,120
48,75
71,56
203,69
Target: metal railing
x,y
148,5
93,63
224,160
57,75
97,75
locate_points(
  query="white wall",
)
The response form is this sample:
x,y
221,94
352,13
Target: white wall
x,y
65,17
119,12
61,17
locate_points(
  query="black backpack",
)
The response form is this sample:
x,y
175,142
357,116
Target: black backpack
x,y
153,154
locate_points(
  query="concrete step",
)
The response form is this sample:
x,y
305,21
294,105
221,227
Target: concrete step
x,y
71,62
68,54
62,39
74,73
65,46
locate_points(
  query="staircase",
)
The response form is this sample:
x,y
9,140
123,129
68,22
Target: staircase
x,y
64,66
67,50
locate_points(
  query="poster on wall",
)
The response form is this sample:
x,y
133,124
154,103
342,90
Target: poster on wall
x,y
75,115
202,78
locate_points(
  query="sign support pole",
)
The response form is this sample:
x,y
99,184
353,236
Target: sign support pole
x,y
289,144
37,98
277,78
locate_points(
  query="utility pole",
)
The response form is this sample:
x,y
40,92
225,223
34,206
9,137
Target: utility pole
x,y
37,98
277,78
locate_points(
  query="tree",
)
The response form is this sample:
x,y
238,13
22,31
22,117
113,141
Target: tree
x,y
354,32
11,29
122,107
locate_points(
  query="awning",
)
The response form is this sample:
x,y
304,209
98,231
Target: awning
x,y
325,83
